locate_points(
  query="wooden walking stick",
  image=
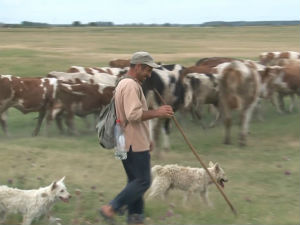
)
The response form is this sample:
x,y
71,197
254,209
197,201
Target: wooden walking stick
x,y
197,156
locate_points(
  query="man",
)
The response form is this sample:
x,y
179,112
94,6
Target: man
x,y
132,111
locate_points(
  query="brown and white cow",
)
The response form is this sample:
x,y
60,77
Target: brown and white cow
x,y
287,84
272,58
98,70
206,66
213,61
119,63
239,86
27,95
242,85
79,77
80,100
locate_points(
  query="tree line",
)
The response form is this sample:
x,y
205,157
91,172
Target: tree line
x,y
111,24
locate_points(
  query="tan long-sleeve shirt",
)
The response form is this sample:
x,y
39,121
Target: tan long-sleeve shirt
x,y
130,103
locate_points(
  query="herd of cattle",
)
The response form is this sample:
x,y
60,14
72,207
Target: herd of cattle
x,y
226,83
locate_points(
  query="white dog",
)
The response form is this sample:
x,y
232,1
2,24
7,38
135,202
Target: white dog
x,y
188,179
32,203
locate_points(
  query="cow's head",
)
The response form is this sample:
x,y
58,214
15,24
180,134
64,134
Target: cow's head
x,y
268,79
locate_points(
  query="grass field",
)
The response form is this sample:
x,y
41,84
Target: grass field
x,y
263,177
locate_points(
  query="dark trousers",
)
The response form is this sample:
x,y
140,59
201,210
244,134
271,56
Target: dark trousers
x,y
138,169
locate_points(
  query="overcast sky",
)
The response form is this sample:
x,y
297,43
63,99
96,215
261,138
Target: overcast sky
x,y
147,11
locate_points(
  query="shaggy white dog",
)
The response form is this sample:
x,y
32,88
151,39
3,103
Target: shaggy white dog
x,y
188,179
32,203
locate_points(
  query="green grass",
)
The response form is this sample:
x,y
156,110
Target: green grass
x,y
258,186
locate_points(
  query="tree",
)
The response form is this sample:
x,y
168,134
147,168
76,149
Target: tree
x,y
76,23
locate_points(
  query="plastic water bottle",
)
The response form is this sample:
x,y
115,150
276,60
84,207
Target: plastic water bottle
x,y
120,148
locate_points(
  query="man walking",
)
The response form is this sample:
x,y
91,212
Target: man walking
x,y
132,111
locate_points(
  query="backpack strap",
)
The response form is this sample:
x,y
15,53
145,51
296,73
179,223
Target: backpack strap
x,y
118,81
127,77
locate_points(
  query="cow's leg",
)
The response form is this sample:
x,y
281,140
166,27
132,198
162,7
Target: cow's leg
x,y
59,124
94,121
275,101
42,114
281,104
293,103
166,141
156,131
258,111
56,113
215,110
227,123
198,112
165,134
226,117
3,122
88,123
70,123
244,123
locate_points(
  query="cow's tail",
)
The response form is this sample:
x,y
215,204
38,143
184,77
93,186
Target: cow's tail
x,y
232,79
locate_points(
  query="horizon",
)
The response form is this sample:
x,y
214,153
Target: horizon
x,y
218,21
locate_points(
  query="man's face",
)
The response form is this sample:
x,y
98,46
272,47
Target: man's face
x,y
143,72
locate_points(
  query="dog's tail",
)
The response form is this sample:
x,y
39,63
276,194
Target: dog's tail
x,y
155,169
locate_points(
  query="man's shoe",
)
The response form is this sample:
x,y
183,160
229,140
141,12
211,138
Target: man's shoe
x,y
135,219
107,213
136,223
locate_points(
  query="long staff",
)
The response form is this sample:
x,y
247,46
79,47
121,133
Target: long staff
x,y
197,156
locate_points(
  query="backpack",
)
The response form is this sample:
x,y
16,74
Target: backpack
x,y
106,125
107,122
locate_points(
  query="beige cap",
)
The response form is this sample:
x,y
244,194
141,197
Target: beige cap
x,y
143,58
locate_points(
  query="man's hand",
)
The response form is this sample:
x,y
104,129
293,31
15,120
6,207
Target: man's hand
x,y
151,146
165,111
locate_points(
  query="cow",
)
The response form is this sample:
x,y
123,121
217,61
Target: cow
x,y
79,77
287,83
213,61
27,95
119,63
272,58
240,88
165,80
196,69
98,70
80,100
201,89
205,65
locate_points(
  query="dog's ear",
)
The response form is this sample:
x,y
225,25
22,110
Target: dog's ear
x,y
217,167
53,186
61,180
210,164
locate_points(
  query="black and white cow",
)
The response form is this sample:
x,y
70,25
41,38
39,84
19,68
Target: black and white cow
x,y
165,80
201,89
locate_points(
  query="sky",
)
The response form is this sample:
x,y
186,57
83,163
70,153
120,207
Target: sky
x,y
147,11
